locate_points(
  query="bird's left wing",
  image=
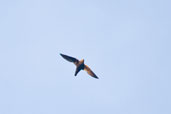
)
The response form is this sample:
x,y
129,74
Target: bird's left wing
x,y
70,59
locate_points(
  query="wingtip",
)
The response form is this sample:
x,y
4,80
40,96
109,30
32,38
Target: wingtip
x,y
60,54
97,78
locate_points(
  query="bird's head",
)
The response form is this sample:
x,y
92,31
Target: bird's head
x,y
82,61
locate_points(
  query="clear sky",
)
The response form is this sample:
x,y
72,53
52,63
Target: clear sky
x,y
127,43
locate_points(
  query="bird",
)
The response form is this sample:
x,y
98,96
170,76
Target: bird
x,y
79,65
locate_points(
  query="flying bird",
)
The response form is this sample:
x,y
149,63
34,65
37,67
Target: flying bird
x,y
79,65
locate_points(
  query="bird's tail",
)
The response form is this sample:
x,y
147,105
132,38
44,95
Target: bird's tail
x,y
77,70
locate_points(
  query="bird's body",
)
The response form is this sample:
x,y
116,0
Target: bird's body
x,y
79,65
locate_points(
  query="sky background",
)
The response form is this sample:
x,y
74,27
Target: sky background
x,y
127,43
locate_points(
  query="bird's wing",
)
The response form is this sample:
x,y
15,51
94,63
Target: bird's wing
x,y
70,59
89,71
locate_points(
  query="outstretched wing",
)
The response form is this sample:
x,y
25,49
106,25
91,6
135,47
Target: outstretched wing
x,y
70,59
90,72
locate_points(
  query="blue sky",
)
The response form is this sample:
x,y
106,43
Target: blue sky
x,y
126,43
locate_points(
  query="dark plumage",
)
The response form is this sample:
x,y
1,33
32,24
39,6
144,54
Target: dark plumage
x,y
79,65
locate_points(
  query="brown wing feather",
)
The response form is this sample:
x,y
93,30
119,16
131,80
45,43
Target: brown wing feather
x,y
70,59
89,71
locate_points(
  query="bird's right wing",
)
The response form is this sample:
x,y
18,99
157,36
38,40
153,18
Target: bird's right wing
x,y
89,71
70,59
